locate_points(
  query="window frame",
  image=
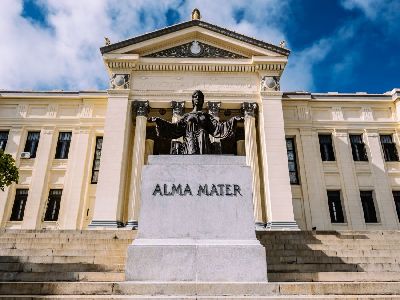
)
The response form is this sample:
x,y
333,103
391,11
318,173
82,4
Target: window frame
x,y
376,219
3,144
296,166
96,158
358,150
397,203
342,215
389,150
331,152
21,212
30,142
63,146
56,205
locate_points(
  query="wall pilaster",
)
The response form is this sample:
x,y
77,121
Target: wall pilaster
x,y
37,196
76,179
278,196
13,147
110,192
383,192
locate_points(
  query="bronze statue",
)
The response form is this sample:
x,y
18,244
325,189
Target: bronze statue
x,y
195,127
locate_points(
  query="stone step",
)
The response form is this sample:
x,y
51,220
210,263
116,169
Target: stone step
x,y
108,297
64,259
71,245
336,276
60,267
62,276
334,253
334,268
60,252
329,260
201,289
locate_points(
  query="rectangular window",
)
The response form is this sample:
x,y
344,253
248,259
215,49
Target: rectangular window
x,y
96,160
3,140
335,207
368,206
32,142
326,147
53,205
17,213
396,197
292,162
389,148
358,148
64,140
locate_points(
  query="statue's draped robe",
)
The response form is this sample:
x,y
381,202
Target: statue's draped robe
x,y
196,128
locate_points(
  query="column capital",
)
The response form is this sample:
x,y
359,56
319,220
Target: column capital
x,y
249,109
213,108
177,107
141,108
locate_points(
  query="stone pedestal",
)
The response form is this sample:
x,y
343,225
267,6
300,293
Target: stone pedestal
x,y
196,222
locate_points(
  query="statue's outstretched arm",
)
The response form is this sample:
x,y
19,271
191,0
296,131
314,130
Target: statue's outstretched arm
x,y
167,129
225,129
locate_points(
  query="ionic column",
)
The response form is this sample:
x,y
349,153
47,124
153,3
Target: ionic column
x,y
382,188
38,188
213,109
110,191
13,147
140,110
252,156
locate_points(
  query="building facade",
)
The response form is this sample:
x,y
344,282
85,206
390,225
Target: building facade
x,y
319,161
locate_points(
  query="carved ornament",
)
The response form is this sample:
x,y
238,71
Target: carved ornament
x,y
120,81
195,49
213,108
270,83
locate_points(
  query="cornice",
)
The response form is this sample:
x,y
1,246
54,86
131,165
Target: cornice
x,y
193,23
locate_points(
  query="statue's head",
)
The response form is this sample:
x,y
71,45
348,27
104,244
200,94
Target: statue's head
x,y
198,99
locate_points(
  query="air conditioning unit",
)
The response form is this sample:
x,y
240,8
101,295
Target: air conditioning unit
x,y
25,155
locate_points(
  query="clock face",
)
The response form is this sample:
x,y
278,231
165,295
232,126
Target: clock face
x,y
195,48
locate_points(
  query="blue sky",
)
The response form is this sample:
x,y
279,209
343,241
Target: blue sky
x,y
342,45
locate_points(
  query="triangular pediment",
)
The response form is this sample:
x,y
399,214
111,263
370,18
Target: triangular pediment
x,y
193,39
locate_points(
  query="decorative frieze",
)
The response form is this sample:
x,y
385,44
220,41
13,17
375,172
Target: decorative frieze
x,y
213,108
249,109
86,110
303,113
22,110
120,81
366,114
270,83
141,108
177,108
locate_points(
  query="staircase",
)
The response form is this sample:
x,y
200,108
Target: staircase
x,y
302,265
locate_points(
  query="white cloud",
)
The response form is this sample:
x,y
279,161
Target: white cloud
x,y
64,54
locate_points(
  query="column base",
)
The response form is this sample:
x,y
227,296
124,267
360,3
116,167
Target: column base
x,y
283,225
132,224
106,224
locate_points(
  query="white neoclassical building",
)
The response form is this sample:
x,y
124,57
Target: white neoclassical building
x,y
319,160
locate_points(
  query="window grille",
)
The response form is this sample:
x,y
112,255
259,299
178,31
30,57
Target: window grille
x,y
96,160
32,142
18,209
292,161
335,207
64,141
389,148
326,147
368,206
53,205
358,148
3,140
